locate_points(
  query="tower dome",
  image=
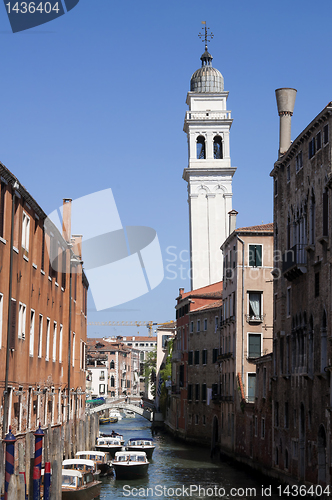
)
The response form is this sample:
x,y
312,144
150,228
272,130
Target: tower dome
x,y
207,78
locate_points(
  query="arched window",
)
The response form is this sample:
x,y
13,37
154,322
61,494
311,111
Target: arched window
x,y
201,148
112,365
217,148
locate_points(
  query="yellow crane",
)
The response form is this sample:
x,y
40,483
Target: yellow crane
x,y
148,324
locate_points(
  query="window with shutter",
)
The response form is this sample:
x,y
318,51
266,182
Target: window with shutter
x,y
254,347
255,255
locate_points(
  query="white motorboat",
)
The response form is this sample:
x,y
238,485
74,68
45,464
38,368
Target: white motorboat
x,y
130,465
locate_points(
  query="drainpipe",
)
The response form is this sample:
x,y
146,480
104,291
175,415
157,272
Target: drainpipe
x,y
242,308
6,406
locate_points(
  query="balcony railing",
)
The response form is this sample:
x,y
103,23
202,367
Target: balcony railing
x,y
258,318
225,355
294,262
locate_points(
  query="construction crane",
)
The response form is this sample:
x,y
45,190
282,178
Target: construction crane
x,y
148,324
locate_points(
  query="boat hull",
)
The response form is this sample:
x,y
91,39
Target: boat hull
x,y
130,471
147,449
108,449
83,493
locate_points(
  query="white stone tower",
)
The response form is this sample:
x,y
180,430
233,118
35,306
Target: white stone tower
x,y
209,173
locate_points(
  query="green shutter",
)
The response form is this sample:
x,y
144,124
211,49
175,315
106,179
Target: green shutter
x,y
258,255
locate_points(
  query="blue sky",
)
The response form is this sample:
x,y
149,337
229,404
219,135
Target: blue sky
x,y
96,100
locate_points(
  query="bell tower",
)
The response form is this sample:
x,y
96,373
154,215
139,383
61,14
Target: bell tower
x,y
209,173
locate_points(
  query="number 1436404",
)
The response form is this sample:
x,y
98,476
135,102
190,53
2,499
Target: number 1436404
x,y
32,7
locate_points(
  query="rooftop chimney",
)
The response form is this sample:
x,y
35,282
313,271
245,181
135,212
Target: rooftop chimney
x,y
181,290
285,102
77,245
66,219
232,220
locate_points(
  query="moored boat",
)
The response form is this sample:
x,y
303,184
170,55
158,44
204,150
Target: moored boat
x,y
130,414
104,420
109,445
141,444
83,465
112,434
100,458
130,465
77,485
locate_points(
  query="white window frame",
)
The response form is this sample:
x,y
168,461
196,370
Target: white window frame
x,y
191,327
205,324
25,231
251,373
1,317
40,336
257,244
260,292
60,343
48,332
22,309
55,332
254,333
32,333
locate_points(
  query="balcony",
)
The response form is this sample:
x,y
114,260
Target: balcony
x,y
225,355
294,262
254,319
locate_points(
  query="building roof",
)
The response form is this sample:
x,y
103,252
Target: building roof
x,y
206,307
210,291
207,78
257,229
303,136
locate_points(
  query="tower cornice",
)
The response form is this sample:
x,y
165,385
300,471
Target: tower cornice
x,y
208,173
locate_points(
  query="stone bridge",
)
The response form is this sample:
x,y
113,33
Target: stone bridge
x,y
148,414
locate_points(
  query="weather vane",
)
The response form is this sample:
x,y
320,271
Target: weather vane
x,y
205,37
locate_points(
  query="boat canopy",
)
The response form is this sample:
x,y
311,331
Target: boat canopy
x,y
107,440
93,455
72,472
130,456
78,461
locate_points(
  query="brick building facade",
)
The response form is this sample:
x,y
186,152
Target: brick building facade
x,y
42,331
302,357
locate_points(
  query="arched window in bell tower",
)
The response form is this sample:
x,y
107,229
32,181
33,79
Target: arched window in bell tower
x,y
217,147
201,148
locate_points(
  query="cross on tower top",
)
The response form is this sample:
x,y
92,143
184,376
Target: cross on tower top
x,y
206,37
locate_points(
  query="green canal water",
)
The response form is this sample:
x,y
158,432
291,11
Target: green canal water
x,y
179,471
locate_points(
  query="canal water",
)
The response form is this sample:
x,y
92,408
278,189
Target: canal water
x,y
178,470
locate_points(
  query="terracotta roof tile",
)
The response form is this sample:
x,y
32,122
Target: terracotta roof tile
x,y
218,303
255,229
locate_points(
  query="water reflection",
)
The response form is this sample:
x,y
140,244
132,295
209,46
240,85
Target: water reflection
x,y
177,469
